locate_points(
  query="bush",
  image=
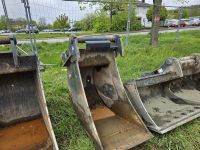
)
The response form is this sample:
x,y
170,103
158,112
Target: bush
x,y
88,22
79,25
135,24
101,23
61,22
120,22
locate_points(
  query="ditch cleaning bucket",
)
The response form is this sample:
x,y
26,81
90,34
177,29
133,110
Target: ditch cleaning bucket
x,y
169,96
98,95
24,118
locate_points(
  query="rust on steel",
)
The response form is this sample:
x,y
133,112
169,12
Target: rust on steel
x,y
6,40
26,135
24,120
98,95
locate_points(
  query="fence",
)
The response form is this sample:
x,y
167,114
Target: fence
x,y
87,15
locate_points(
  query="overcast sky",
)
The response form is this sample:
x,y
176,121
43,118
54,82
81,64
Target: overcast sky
x,y
52,8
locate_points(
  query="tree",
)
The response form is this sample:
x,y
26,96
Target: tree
x,y
185,14
61,22
163,13
88,22
42,23
3,23
120,21
155,22
111,8
189,11
79,25
194,10
49,26
19,23
173,13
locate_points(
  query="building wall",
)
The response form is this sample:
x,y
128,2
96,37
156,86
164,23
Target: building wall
x,y
141,12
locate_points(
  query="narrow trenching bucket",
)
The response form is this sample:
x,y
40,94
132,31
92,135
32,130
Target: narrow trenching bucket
x,y
169,96
24,118
98,95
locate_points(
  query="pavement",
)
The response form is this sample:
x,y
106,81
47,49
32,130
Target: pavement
x,y
142,32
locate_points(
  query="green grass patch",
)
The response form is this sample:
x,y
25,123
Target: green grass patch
x,y
138,57
49,35
42,36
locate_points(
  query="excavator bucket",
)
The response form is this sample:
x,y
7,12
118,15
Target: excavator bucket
x,y
98,95
169,96
24,118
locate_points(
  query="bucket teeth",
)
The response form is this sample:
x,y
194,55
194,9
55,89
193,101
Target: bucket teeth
x,y
24,118
169,96
98,95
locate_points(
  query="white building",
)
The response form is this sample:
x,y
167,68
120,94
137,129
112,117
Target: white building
x,y
141,11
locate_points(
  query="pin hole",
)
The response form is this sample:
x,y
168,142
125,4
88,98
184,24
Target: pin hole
x,y
88,79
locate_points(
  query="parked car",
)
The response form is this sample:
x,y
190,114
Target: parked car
x,y
186,21
21,31
73,29
34,30
194,18
4,31
47,30
175,23
57,30
195,22
65,30
168,22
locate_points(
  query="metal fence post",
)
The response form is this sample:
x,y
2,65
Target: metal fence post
x,y
6,14
179,25
30,17
128,24
30,26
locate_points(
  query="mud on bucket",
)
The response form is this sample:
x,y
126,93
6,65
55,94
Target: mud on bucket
x,y
24,119
98,95
169,96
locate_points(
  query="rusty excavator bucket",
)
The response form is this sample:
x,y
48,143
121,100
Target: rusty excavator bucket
x,y
24,118
169,96
98,95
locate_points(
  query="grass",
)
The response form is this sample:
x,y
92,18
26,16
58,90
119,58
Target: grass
x,y
42,36
49,35
138,57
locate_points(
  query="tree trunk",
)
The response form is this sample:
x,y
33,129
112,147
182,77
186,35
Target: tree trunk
x,y
155,22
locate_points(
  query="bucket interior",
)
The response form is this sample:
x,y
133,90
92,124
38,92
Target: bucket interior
x,y
110,112
21,123
171,102
25,135
113,130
